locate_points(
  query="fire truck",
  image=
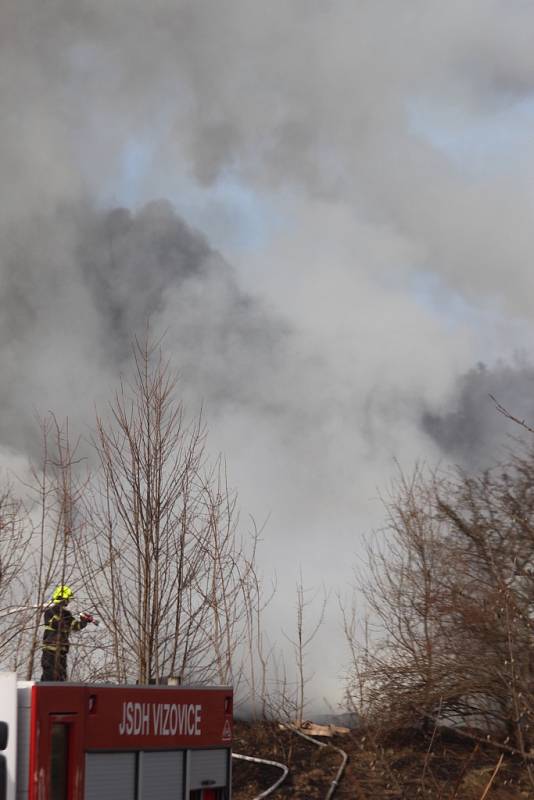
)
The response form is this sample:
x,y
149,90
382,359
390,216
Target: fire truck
x,y
67,741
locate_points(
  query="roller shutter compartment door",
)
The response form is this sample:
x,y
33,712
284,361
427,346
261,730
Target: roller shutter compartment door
x,y
161,775
208,768
110,776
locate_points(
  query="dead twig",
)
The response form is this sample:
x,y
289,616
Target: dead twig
x,y
504,411
493,776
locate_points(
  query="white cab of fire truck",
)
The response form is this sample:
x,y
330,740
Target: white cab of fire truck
x,y
68,741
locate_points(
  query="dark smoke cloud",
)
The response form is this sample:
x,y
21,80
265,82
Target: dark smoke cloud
x,y
314,390
473,433
80,284
151,265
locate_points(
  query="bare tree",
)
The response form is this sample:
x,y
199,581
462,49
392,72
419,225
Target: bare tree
x,y
53,498
452,599
300,643
149,542
14,545
39,543
258,654
162,557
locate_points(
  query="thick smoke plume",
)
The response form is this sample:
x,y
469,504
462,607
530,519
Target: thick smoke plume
x,y
346,232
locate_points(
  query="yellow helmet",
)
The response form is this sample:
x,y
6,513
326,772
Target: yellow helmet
x,y
62,593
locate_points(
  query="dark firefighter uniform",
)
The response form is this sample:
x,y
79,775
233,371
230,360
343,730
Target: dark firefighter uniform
x,y
58,624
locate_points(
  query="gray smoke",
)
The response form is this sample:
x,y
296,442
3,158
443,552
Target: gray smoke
x,y
80,284
383,152
474,434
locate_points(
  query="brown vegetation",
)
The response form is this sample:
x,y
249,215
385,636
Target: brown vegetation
x,y
451,595
148,540
403,765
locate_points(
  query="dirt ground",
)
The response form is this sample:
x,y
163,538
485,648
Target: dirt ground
x,y
404,766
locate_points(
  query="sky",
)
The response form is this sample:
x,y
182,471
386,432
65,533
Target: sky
x,y
326,207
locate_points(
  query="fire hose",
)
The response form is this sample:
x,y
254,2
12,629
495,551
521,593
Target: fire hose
x,y
333,784
344,758
271,789
5,612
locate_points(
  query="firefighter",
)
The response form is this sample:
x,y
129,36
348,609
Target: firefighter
x,y
58,623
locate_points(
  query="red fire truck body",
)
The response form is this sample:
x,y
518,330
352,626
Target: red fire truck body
x,y
104,742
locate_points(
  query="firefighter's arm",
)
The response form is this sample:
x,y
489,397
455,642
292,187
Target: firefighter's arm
x,y
77,623
48,615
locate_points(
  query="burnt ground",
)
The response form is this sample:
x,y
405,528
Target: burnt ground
x,y
402,766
